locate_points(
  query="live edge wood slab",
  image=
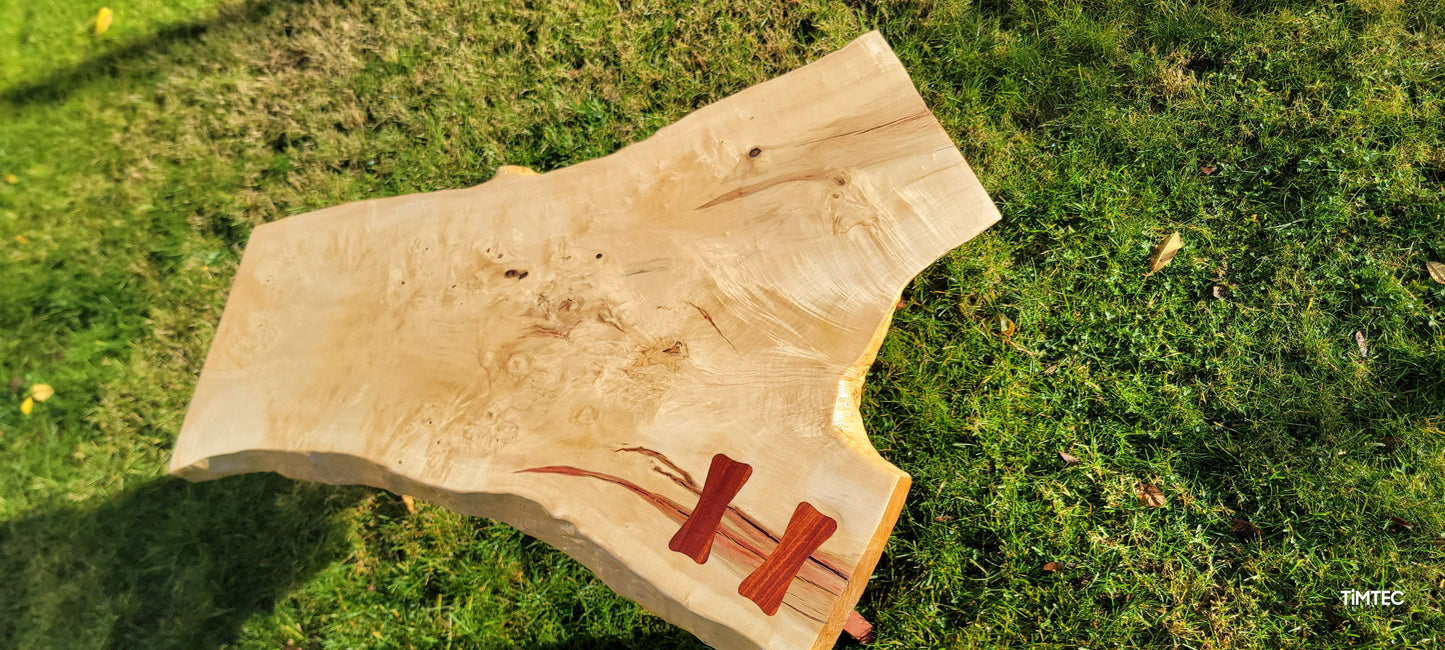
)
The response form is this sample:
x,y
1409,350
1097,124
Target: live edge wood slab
x,y
651,361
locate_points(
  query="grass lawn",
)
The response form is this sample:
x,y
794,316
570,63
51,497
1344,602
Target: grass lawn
x,y
1298,148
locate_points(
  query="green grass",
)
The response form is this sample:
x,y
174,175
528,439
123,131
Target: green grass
x,y
144,157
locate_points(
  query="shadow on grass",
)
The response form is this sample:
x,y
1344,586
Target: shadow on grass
x,y
674,638
166,564
55,87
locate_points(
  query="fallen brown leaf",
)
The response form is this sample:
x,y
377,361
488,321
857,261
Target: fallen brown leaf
x,y
1437,271
1219,292
1053,566
1164,252
1006,327
409,502
1151,495
1360,341
1206,170
1069,459
1244,530
942,518
1402,523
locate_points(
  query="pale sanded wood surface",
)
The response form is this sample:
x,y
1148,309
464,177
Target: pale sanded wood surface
x,y
574,352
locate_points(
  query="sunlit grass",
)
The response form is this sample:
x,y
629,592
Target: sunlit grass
x,y
1297,149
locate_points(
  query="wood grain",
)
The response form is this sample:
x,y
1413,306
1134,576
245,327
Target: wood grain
x,y
724,478
768,583
568,352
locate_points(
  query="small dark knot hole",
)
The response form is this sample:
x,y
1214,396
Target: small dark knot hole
x,y
511,273
755,152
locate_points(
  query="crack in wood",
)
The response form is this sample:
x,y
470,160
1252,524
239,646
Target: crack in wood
x,y
755,188
710,321
759,187
741,519
725,477
768,584
687,479
906,118
732,541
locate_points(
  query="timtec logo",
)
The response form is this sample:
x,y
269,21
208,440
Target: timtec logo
x,y
1375,598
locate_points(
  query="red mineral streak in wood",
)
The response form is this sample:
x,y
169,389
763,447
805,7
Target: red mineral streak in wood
x,y
858,627
666,505
724,478
822,569
737,545
710,321
686,479
738,550
768,583
743,540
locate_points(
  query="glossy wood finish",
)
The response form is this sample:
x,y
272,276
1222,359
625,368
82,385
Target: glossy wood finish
x,y
724,478
768,583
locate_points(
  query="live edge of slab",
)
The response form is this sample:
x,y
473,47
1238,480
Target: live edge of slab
x,y
571,352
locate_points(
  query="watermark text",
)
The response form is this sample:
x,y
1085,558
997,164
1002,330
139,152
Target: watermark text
x,y
1355,598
